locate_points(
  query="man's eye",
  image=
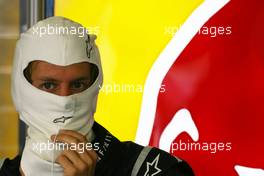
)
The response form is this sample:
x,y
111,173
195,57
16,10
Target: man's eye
x,y
79,85
48,86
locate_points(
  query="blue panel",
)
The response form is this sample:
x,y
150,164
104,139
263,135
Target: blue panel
x,y
49,8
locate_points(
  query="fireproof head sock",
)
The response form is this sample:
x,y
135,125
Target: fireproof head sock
x,y
58,41
60,46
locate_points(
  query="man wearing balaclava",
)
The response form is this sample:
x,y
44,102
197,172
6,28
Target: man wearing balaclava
x,y
55,84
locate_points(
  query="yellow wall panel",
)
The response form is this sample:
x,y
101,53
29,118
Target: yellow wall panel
x,y
131,34
9,30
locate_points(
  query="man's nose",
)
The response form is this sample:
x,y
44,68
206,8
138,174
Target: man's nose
x,y
64,91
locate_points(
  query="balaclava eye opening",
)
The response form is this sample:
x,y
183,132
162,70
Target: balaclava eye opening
x,y
28,72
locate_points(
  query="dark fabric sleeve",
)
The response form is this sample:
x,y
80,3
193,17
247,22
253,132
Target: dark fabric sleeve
x,y
161,163
130,159
11,167
181,168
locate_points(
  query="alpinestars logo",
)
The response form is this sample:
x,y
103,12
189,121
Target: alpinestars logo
x,y
152,168
61,119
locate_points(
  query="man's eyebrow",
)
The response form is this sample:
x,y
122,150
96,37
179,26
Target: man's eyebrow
x,y
48,79
84,78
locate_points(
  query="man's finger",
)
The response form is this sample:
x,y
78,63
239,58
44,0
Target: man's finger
x,y
87,159
65,138
75,134
92,154
73,157
64,162
79,163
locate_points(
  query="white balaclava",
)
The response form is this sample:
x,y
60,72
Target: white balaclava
x,y
62,42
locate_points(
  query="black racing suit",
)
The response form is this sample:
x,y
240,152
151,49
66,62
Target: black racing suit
x,y
117,158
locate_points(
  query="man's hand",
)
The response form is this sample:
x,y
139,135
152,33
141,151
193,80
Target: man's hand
x,y
75,163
